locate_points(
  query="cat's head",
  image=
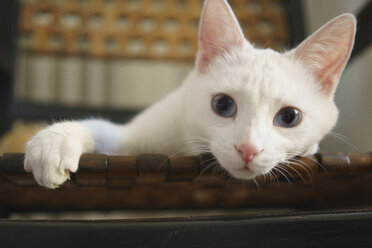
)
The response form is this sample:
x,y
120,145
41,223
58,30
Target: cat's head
x,y
257,107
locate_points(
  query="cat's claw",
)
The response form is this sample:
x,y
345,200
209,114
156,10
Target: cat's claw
x,y
55,152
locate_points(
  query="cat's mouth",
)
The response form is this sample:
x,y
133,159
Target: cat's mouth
x,y
243,173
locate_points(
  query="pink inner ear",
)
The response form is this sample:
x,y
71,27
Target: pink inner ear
x,y
331,73
219,32
326,52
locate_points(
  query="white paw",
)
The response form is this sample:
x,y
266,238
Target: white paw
x,y
55,152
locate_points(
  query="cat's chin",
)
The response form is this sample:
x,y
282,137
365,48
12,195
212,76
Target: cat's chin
x,y
247,173
243,174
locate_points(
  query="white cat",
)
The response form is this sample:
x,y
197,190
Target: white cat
x,y
252,108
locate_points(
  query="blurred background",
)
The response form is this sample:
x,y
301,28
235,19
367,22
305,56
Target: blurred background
x,y
112,58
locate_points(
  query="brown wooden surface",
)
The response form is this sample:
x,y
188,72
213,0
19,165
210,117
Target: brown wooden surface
x,y
150,29
329,180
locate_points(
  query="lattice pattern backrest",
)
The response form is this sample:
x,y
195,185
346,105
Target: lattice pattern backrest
x,y
149,29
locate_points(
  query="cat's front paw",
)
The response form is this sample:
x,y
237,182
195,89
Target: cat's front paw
x,y
55,152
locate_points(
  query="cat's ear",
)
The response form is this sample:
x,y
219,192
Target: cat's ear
x,y
326,52
219,31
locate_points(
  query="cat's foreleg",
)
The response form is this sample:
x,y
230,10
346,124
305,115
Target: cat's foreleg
x,y
55,151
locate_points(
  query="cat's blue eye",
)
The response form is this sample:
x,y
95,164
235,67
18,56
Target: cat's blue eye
x,y
223,105
288,117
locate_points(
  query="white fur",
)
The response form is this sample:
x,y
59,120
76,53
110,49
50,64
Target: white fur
x,y
55,151
260,81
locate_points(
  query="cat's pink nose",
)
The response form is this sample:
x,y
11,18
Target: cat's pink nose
x,y
248,152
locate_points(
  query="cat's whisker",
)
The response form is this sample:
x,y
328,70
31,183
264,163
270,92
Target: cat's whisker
x,y
285,170
307,172
264,176
212,163
298,173
257,184
184,151
199,149
310,157
208,160
342,138
303,165
206,168
338,134
275,176
302,162
214,172
319,164
279,171
271,177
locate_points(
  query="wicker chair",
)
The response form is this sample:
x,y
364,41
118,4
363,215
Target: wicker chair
x,y
323,189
